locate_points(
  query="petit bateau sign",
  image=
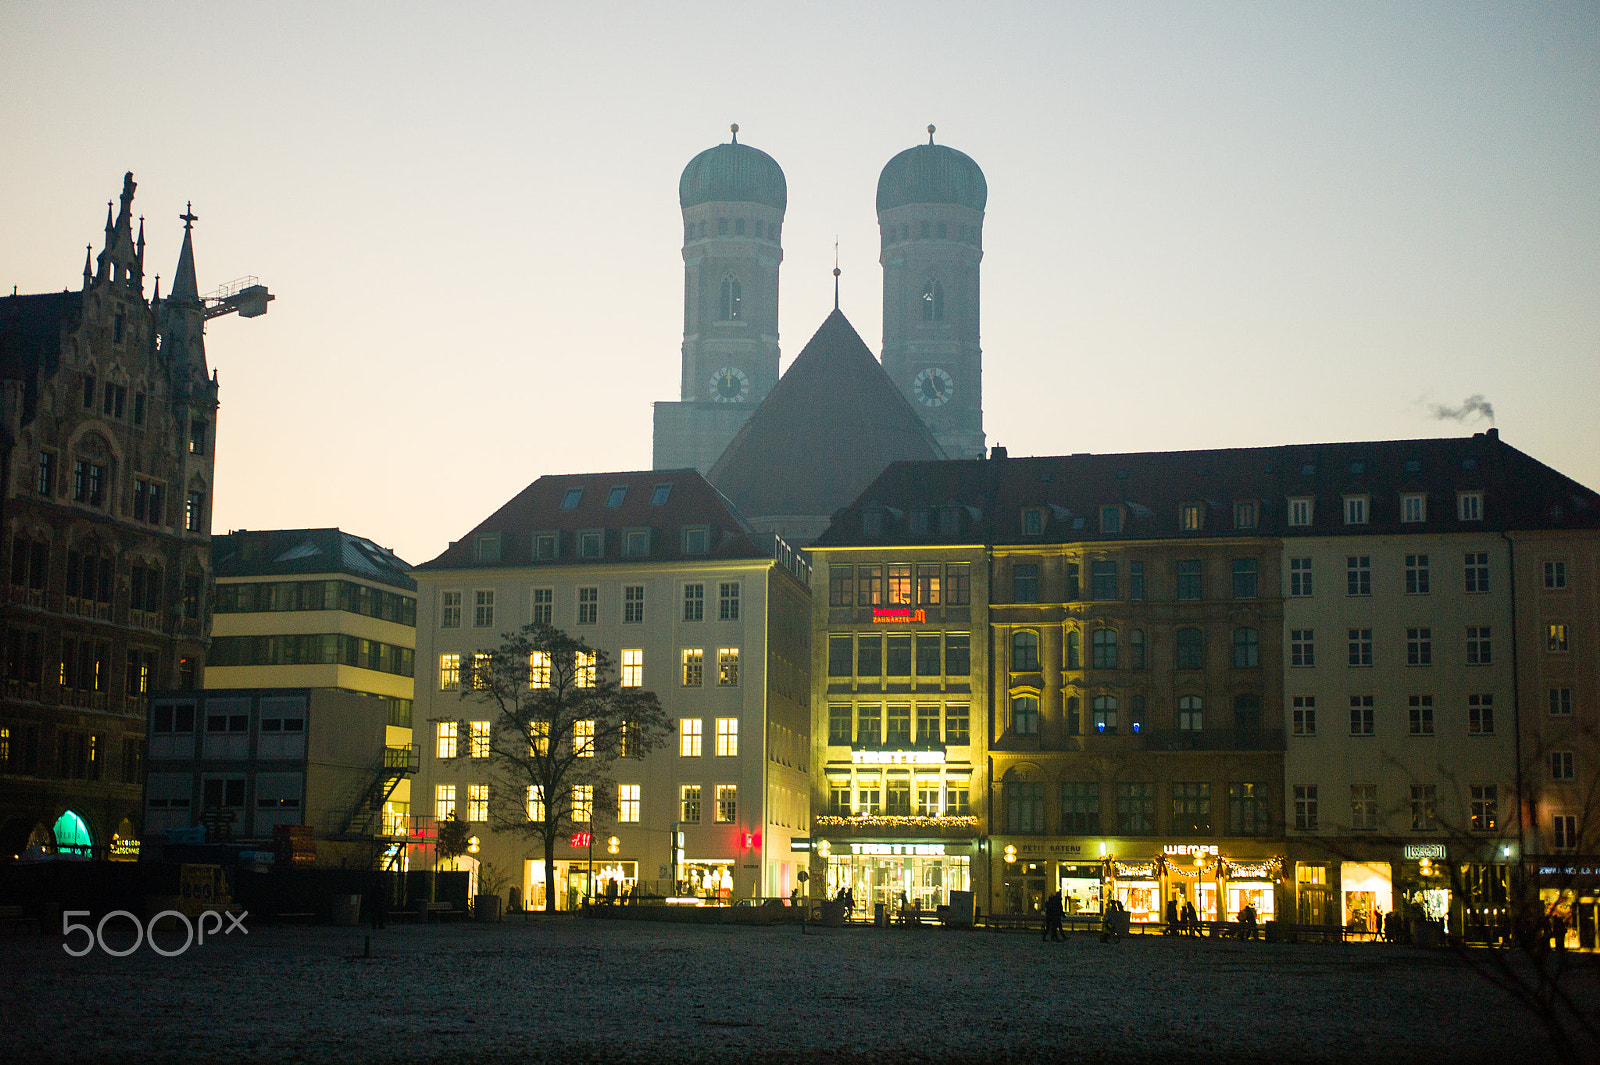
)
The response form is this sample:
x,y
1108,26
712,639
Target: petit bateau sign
x,y
898,615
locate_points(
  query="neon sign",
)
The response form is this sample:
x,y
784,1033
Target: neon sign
x,y
897,757
580,839
897,848
1190,848
898,615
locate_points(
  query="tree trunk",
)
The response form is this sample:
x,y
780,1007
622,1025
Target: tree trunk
x,y
549,873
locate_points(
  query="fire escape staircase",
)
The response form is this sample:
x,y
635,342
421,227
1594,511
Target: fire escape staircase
x,y
365,820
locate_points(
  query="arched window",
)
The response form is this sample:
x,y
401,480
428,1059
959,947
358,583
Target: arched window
x,y
1136,649
933,302
1191,649
1105,714
1024,651
1103,649
732,308
72,835
1246,648
1025,715
1074,660
1191,713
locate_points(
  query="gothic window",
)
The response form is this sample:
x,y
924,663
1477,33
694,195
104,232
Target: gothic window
x,y
732,305
933,302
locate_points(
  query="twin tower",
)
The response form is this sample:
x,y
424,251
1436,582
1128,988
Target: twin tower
x,y
930,220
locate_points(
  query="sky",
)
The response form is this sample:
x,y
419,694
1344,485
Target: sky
x,y
1209,225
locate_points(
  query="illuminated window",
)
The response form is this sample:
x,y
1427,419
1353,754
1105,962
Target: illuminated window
x,y
727,667
1190,517
689,804
727,737
727,803
899,586
689,736
628,804
445,740
583,803
477,802
538,739
539,669
479,741
450,610
928,588
444,801
693,666
449,672
1556,637
633,668
482,677
583,669
583,738
535,803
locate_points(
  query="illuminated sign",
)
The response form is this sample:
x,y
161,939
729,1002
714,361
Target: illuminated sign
x,y
897,757
1190,848
897,848
1566,870
124,850
580,839
1425,850
898,615
798,844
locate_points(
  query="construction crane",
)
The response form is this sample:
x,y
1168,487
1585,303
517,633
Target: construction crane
x,y
247,297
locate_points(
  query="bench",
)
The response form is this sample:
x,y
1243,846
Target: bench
x,y
14,921
437,911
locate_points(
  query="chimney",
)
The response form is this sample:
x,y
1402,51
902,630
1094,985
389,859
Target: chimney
x,y
997,452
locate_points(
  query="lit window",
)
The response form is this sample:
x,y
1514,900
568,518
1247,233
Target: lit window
x,y
539,669
689,804
477,802
727,737
583,738
538,739
449,672
727,803
583,669
479,742
727,666
1189,517
1556,640
693,666
445,740
444,801
628,804
535,803
689,736
633,668
583,803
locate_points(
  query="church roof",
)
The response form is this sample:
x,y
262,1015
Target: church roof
x,y
736,173
825,431
932,173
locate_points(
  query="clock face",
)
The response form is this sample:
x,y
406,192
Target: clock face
x,y
730,385
933,387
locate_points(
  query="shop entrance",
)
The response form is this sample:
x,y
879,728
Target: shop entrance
x,y
1368,894
1141,898
1258,893
1080,888
1024,887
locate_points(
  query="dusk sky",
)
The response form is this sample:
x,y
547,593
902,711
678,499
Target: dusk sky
x,y
1209,225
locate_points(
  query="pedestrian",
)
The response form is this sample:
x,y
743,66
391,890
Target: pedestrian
x,y
1172,917
1052,918
1191,920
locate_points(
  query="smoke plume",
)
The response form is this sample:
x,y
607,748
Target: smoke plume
x,y
1473,406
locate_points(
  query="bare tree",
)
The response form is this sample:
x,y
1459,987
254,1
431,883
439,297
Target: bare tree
x,y
561,720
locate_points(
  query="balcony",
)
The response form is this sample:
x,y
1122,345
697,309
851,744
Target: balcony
x,y
1216,739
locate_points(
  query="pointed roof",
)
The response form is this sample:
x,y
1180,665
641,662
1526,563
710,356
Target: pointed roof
x,y
184,287
829,427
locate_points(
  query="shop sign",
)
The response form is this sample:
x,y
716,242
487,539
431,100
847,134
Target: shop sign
x,y
1425,850
897,757
1568,870
799,844
1190,848
897,848
580,839
898,616
124,850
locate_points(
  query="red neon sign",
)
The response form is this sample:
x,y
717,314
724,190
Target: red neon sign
x,y
898,615
580,839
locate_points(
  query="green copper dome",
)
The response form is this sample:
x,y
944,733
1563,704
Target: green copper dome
x,y
733,173
932,173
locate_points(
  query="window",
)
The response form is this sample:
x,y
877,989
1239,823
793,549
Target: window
x,y
1246,648
1080,808
1110,521
1033,522
1191,713
588,605
539,739
449,672
479,742
659,494
731,305
1244,514
933,299
697,540
1416,574
444,801
727,667
193,513
957,725
618,493
1421,715
628,804
1189,573
583,669
841,585
1477,571
1025,715
483,610
872,522
1136,649
1299,512
693,666
928,723
1302,647
694,602
1249,813
1413,507
1364,807
1244,578
1561,702
728,601
1305,807
1361,647
1419,647
1072,580
632,604
1424,801
1190,517
839,798
1105,714
543,606
1555,575
197,435
899,724
841,655
690,732
689,804
45,475
583,803
1300,577
1024,651
148,498
1103,649
633,667
1479,648
1561,765
1136,580
727,803
869,724
1024,583
869,656
1304,712
928,655
958,584
1102,580
1191,649
957,803
1564,832
1358,575
839,724
1024,807
1355,510
1074,659
450,610
477,802
1469,506
727,737
1361,715
1556,637
591,543
1136,804
539,669
583,738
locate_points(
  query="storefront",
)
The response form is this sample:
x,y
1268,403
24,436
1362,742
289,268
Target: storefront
x,y
710,879
1080,886
1367,892
1143,879
919,872
571,879
1569,896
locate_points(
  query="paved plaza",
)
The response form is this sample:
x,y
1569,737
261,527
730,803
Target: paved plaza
x,y
564,989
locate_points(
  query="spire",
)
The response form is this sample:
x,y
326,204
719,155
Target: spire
x,y
836,272
155,301
184,287
88,260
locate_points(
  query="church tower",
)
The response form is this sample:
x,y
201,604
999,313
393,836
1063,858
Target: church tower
x,y
733,198
930,221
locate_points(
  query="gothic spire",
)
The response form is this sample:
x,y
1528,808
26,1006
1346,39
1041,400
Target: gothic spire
x,y
88,264
184,287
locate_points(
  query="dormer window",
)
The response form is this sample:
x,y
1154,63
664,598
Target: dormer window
x,y
546,546
1110,521
1300,511
697,540
1191,517
486,548
872,522
1469,506
636,543
1033,522
617,494
1355,510
1413,507
591,543
571,500
917,523
1245,514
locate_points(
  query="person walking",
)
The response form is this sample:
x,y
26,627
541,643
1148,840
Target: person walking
x,y
1052,918
1172,917
1191,919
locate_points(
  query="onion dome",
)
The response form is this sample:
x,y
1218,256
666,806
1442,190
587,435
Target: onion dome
x,y
932,173
734,173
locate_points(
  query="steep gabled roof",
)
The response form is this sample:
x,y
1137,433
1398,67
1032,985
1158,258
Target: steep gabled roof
x,y
690,502
831,425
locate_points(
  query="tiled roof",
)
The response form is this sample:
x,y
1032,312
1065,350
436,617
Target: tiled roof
x,y
989,496
690,501
292,552
831,424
